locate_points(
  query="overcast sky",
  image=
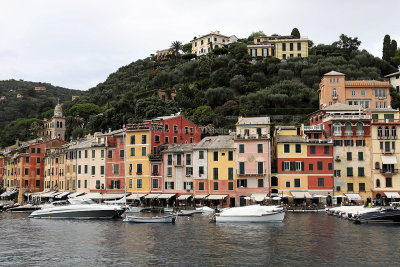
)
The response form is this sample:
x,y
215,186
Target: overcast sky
x,y
78,43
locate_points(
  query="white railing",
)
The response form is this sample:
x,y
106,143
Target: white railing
x,y
313,128
347,117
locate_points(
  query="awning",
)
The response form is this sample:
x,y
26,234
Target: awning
x,y
184,197
216,197
339,196
280,195
392,194
92,196
389,159
151,196
319,196
299,194
202,196
9,193
165,196
49,194
354,197
259,197
135,196
112,196
63,194
76,194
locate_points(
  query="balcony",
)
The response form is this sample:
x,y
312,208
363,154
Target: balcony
x,y
360,133
178,163
384,151
389,171
139,172
320,141
346,117
385,121
251,136
337,133
313,128
251,172
334,96
348,133
387,137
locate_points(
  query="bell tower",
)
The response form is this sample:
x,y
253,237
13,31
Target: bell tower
x,y
57,123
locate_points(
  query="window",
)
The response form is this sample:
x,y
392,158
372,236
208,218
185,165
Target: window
x,y
361,187
201,186
291,46
241,148
360,156
230,155
215,173
37,171
326,150
330,166
378,183
178,159
132,151
310,167
169,185
319,165
93,154
110,154
394,132
321,182
260,183
285,165
312,149
241,168
27,159
230,173
201,170
85,184
230,186
388,182
287,184
362,92
360,171
387,146
348,143
144,139
350,187
102,170
260,168
132,139
93,170
201,154
166,139
299,166
144,151
121,153
175,129
286,148
32,150
298,148
360,142
299,46
350,171
139,183
86,154
189,171
242,183
215,185
139,169
215,155
86,168
97,184
393,146
283,47
155,169
336,173
353,93
175,139
188,159
169,171
349,156
297,182
116,169
259,148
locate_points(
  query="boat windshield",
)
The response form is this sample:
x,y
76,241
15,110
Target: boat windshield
x,y
88,201
76,201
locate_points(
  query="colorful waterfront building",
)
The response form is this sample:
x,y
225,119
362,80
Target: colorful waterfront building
x,y
334,88
350,128
1,169
144,144
253,155
203,44
54,169
115,161
178,169
282,47
70,168
385,151
89,158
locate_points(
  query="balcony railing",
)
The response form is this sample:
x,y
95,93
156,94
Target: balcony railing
x,y
360,133
387,136
251,136
334,96
320,141
251,172
384,121
346,117
313,128
348,133
395,171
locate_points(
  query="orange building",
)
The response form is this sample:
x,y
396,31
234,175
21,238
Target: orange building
x,y
334,88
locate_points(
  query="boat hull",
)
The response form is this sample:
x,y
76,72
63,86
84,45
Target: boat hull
x,y
84,213
164,219
384,216
269,217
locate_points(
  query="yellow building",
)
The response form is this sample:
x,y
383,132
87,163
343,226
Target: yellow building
x,y
70,170
137,158
385,154
165,53
203,44
54,170
282,47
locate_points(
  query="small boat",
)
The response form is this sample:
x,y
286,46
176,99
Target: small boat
x,y
157,219
79,209
205,210
24,208
379,216
168,210
9,206
187,212
134,209
252,214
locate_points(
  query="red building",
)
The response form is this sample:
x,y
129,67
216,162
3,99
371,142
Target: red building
x,y
115,180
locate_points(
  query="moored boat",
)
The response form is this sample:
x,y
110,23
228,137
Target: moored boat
x,y
79,209
24,208
379,216
187,212
157,219
252,214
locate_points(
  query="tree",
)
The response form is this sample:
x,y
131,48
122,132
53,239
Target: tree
x,y
84,110
347,43
387,49
176,46
255,34
203,115
187,48
295,33
396,58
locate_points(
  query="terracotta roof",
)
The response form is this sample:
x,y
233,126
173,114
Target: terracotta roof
x,y
334,73
178,148
216,142
254,121
290,139
343,107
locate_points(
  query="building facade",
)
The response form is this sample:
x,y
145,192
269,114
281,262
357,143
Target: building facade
x,y
394,79
203,44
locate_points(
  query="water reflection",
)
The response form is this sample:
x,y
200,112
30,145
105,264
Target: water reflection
x,y
302,239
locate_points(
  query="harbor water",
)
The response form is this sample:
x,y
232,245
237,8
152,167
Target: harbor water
x,y
302,239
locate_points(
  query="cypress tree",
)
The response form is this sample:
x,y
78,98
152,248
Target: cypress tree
x,y
295,32
386,50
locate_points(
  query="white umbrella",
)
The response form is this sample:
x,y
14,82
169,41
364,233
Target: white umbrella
x,y
247,198
276,198
319,196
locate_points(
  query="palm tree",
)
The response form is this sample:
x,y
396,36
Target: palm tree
x,y
176,46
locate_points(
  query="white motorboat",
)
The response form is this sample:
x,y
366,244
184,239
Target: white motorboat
x,y
253,213
205,210
133,209
157,219
79,209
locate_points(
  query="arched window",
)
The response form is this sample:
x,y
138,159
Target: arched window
x,y
380,132
378,183
347,129
377,165
360,130
386,131
394,132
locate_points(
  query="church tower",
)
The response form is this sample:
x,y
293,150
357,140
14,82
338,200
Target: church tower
x,y
57,124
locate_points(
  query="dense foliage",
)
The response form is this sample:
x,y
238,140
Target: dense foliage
x,y
214,88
